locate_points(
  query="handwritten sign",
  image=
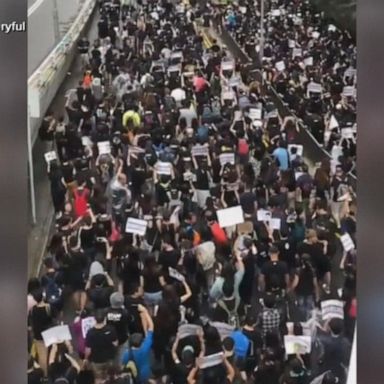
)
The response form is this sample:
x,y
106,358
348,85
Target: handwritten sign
x,y
104,147
230,216
226,158
163,168
224,329
200,150
332,309
136,226
186,330
211,360
87,324
297,344
56,335
347,242
50,156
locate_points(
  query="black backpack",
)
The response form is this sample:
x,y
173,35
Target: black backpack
x,y
53,293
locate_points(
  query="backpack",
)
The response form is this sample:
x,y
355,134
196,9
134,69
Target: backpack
x,y
81,203
53,293
242,147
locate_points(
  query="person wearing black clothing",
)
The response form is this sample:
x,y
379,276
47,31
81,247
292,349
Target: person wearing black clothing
x,y
131,303
274,275
101,342
34,372
117,316
99,289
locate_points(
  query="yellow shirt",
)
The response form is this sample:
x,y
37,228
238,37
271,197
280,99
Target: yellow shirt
x,y
131,115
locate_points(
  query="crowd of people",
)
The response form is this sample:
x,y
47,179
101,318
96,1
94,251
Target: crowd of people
x,y
193,242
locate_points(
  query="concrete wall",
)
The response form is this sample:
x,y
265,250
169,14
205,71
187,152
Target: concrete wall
x,y
47,24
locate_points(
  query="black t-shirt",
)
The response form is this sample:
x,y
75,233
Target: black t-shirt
x,y
100,296
100,341
118,318
202,180
247,201
305,286
169,259
287,252
320,261
274,273
41,320
181,373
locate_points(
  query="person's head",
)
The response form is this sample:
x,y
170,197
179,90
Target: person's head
x,y
274,253
228,288
250,320
38,295
169,293
188,356
122,179
48,263
335,327
100,317
311,236
117,300
339,171
228,345
212,336
136,340
269,300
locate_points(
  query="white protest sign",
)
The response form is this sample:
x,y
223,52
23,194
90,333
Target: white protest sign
x,y
308,62
104,147
333,123
275,223
224,329
297,52
86,141
230,216
175,274
350,72
297,344
299,149
276,13
331,28
136,226
163,168
87,324
56,335
243,10
332,309
227,158
211,360
349,91
263,215
186,330
234,81
272,114
280,66
347,242
255,114
200,150
315,34
50,156
314,87
291,43
347,133
189,176
305,327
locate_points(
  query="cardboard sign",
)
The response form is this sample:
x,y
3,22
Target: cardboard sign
x,y
349,91
211,360
224,329
332,309
297,344
280,66
56,335
347,133
175,274
245,228
275,223
227,158
255,114
230,216
136,226
308,62
50,156
297,52
299,149
163,168
87,324
314,88
200,150
263,215
347,242
186,330
104,147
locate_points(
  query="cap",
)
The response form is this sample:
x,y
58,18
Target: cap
x,y
116,300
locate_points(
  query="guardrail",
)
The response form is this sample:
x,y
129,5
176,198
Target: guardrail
x,y
44,83
312,150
